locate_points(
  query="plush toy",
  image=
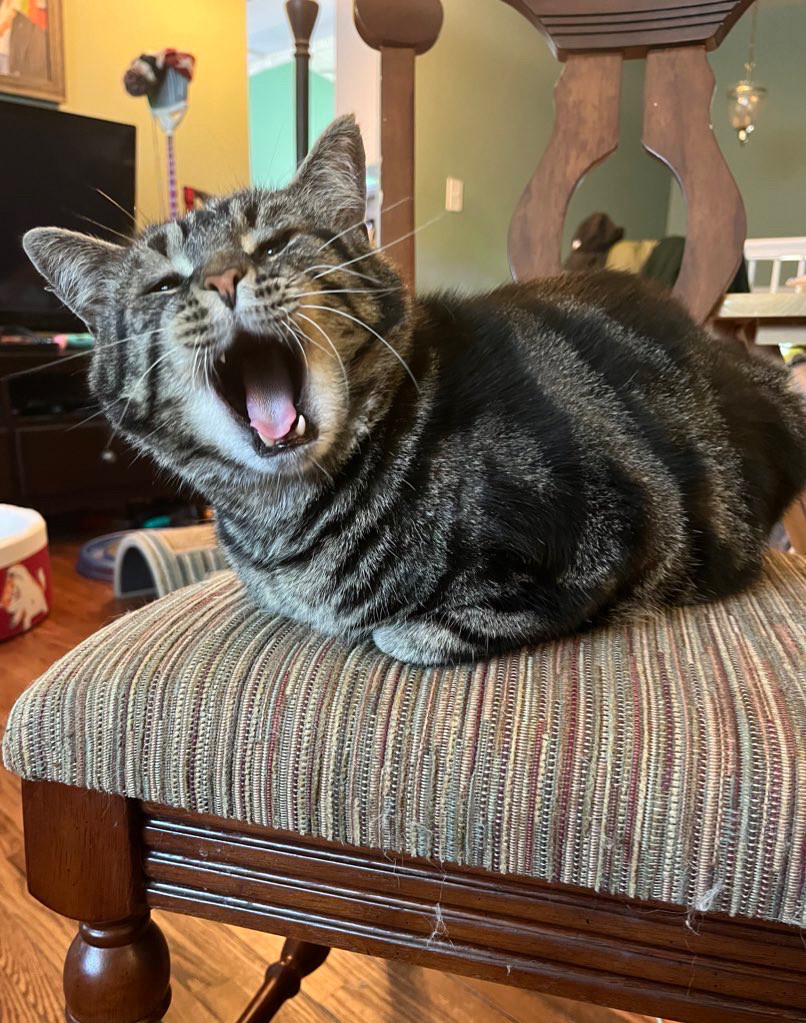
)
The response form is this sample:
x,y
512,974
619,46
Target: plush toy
x,y
164,78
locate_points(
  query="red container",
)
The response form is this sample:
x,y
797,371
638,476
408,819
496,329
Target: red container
x,y
24,570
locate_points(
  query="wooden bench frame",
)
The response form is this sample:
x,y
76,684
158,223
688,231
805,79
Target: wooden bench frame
x,y
116,859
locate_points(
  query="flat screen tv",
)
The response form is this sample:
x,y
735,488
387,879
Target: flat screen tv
x,y
61,169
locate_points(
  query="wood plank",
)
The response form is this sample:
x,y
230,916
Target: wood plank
x,y
397,161
400,32
605,989
586,131
678,88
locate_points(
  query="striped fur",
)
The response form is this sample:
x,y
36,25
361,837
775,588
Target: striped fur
x,y
485,472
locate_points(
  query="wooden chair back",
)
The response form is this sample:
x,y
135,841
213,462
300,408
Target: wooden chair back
x,y
592,38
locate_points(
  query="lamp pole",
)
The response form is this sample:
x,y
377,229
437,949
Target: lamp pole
x,y
302,15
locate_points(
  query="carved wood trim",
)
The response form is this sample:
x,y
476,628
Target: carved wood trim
x,y
573,26
678,88
414,24
627,954
586,131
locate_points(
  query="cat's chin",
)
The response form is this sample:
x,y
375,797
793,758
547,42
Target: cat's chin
x,y
260,381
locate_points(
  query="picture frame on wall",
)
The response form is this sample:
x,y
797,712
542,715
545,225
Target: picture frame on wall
x,y
31,51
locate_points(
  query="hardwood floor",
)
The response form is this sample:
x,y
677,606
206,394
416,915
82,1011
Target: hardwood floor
x,y
216,968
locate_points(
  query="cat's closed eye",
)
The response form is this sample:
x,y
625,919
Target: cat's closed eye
x,y
274,246
165,284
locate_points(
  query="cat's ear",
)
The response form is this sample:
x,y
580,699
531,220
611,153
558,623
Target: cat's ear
x,y
334,174
75,265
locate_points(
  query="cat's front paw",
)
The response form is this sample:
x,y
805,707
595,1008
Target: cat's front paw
x,y
419,641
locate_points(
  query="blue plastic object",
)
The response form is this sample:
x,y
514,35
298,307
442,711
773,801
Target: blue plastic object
x,y
96,559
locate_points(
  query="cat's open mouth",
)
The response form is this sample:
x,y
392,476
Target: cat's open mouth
x,y
260,378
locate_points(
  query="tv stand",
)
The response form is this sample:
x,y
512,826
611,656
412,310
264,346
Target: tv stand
x,y
56,450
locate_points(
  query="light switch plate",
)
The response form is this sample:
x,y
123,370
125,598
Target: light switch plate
x,y
454,195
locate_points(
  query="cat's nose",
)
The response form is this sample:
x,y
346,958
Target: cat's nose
x,y
225,283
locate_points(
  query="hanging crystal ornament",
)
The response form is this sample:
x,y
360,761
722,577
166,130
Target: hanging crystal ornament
x,y
746,96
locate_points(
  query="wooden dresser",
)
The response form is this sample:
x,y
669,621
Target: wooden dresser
x,y
55,455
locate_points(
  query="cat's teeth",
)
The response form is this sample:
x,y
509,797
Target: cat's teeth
x,y
299,431
223,358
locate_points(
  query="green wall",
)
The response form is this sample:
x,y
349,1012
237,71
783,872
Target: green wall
x,y
771,168
272,139
485,114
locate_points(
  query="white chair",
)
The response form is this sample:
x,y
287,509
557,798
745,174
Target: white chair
x,y
776,309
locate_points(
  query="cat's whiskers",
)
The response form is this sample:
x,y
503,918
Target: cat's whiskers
x,y
328,267
355,319
309,340
194,369
289,330
342,291
60,361
138,381
199,353
115,401
147,436
104,227
327,337
206,363
388,245
83,422
358,223
114,202
200,361
322,469
142,439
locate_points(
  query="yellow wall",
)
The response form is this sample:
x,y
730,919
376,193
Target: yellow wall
x,y
101,38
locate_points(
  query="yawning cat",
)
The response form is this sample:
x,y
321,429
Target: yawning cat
x,y
452,476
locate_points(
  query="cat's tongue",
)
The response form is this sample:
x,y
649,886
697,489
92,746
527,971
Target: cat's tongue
x,y
269,393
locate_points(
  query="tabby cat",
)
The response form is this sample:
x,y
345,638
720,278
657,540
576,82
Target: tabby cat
x,y
451,476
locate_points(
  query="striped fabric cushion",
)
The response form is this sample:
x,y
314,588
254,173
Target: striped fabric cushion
x,y
661,760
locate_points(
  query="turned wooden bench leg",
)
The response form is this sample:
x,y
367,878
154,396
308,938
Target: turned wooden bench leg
x,y
283,979
83,861
117,971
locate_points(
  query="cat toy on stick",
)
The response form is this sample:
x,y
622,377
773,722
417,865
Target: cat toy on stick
x,y
164,78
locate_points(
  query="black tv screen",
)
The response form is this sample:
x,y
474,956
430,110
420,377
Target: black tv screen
x,y
60,169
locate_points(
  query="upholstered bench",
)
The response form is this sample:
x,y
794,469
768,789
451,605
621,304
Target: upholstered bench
x,y
618,817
